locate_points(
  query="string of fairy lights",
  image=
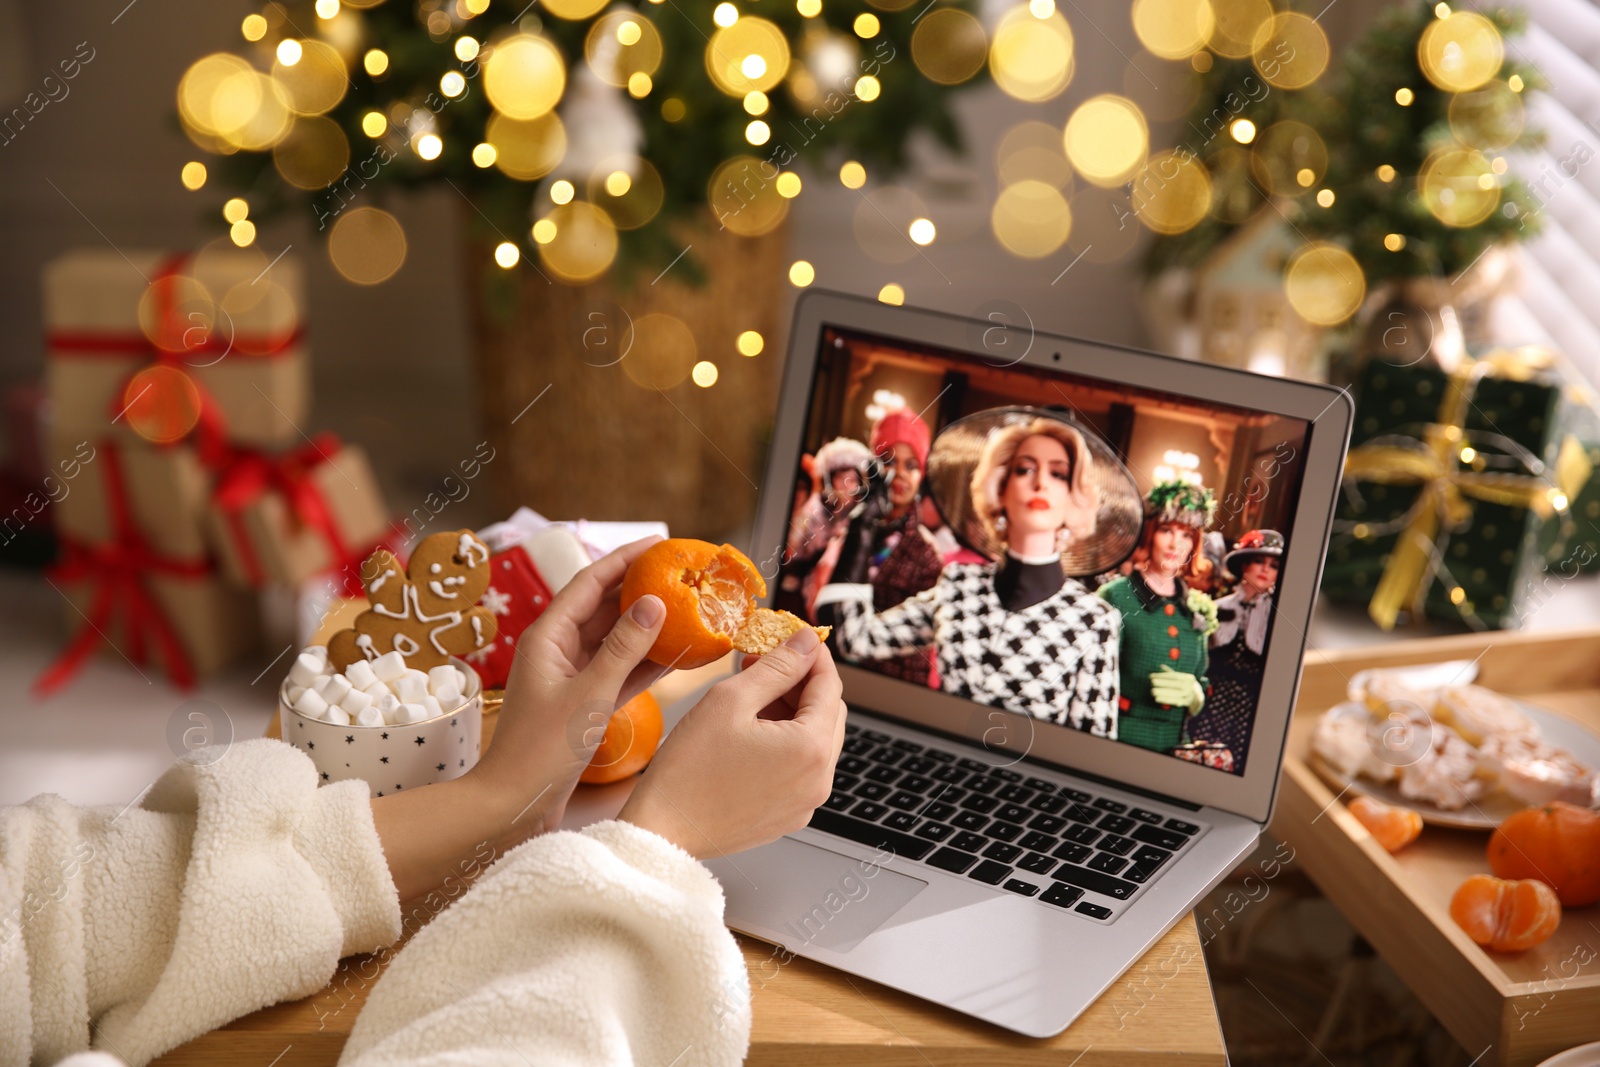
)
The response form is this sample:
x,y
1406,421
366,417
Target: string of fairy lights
x,y
579,126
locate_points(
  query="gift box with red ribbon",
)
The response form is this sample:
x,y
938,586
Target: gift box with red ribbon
x,y
168,491
160,348
139,605
523,579
285,518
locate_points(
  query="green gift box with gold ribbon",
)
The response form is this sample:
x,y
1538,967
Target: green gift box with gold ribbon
x,y
1571,542
1454,483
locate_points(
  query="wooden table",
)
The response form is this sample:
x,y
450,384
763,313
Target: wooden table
x,y
803,1013
1509,1010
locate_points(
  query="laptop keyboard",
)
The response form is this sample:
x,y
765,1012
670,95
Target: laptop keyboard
x,y
1059,844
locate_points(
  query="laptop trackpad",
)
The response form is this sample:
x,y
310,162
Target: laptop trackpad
x,y
809,895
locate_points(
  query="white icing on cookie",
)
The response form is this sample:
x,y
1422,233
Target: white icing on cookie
x,y
365,646
406,645
470,546
377,583
436,568
477,631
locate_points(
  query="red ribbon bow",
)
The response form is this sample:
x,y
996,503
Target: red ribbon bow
x,y
249,474
118,570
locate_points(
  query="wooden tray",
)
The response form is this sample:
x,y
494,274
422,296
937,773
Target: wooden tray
x,y
1511,1010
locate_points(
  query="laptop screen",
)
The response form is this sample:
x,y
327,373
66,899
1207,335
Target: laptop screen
x,y
1095,556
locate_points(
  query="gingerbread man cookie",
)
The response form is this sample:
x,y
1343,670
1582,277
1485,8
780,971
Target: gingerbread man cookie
x,y
427,611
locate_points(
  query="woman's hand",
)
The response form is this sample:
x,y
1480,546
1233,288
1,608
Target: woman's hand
x,y
752,760
575,666
577,663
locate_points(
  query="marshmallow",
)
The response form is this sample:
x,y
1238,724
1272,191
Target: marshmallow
x,y
449,697
311,704
370,716
406,714
391,711
292,694
387,702
389,666
431,703
332,687
360,674
377,691
355,702
444,677
337,716
411,687
305,669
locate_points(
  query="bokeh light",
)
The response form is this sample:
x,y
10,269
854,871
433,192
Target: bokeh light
x,y
1106,139
584,245
224,105
809,9
254,27
1031,58
752,54
235,208
524,149
572,10
288,52
1394,242
367,245
242,233
867,88
484,154
852,175
884,222
375,62
892,294
725,14
1235,24
630,190
866,25
317,82
373,124
466,49
427,146
1461,52
524,77
789,185
1283,152
619,62
562,191
506,255
664,352
1324,284
742,197
1033,150
1171,192
193,175
801,273
1458,185
704,374
922,231
314,153
949,46
161,404
757,132
1290,51
1173,29
1031,219
750,343
1242,130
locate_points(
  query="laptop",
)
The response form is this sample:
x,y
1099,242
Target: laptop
x,y
993,842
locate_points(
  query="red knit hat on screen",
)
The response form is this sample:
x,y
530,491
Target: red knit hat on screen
x,y
902,427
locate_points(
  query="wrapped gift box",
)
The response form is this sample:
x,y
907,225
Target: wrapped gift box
x,y
1571,543
167,489
282,519
524,578
223,318
1450,486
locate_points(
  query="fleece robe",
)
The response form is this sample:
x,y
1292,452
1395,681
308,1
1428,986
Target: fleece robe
x,y
239,883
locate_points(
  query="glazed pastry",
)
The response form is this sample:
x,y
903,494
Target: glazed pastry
x,y
1536,772
1477,714
1447,775
1377,688
1346,742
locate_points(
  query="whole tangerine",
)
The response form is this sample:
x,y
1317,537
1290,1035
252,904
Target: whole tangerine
x,y
630,740
1505,916
1392,827
1558,844
710,594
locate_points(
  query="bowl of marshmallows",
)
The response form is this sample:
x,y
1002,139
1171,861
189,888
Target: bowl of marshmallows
x,y
393,726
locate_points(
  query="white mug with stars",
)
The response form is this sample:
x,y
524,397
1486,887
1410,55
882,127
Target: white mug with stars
x,y
390,756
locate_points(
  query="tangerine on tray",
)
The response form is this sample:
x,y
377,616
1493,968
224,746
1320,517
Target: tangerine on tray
x,y
1557,843
1393,828
710,593
1506,916
631,739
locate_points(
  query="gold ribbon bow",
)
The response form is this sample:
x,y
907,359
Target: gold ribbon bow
x,y
1448,491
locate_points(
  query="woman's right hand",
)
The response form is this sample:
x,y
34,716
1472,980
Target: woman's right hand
x,y
752,760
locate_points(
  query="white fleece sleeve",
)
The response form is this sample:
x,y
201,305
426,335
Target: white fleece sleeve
x,y
233,885
599,947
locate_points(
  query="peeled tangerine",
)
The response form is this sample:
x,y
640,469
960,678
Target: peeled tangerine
x,y
710,594
1503,915
1393,828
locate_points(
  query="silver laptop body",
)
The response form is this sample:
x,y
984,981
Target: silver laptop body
x,y
877,904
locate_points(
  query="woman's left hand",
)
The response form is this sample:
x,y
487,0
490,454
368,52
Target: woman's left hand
x,y
578,662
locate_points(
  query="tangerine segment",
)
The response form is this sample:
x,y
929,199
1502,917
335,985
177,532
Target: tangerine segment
x,y
631,739
1393,828
1505,916
709,591
1558,844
